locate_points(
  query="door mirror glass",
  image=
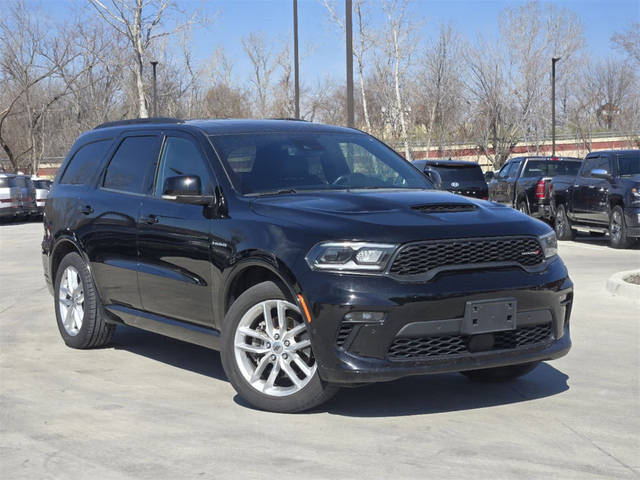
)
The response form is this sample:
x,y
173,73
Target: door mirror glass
x,y
434,177
600,173
182,185
488,176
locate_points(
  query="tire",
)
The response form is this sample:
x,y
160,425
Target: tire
x,y
618,229
272,347
500,374
78,308
523,207
562,225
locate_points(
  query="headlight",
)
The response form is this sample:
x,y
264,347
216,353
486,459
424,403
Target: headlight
x,y
549,244
350,256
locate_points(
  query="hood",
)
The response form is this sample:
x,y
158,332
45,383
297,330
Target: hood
x,y
395,215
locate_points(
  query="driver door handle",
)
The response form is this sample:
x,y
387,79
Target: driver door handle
x,y
87,210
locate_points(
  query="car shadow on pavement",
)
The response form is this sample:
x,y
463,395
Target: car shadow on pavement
x,y
416,395
170,351
428,394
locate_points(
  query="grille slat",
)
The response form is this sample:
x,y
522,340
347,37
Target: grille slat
x,y
405,348
420,258
343,333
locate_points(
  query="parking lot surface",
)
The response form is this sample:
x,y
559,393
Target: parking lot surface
x,y
153,407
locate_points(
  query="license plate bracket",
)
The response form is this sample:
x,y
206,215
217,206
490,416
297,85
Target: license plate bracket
x,y
485,316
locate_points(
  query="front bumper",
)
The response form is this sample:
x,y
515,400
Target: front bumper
x,y
436,308
632,221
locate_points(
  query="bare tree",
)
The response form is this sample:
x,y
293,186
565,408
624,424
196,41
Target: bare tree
x,y
629,41
140,22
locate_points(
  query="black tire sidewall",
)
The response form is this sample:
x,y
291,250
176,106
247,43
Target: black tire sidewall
x,y
83,338
314,393
565,233
625,241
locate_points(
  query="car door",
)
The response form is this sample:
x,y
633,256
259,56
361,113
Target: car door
x,y
498,184
109,215
510,184
174,239
599,192
583,191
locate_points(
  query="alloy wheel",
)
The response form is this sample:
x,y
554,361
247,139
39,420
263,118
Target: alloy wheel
x,y
616,226
272,348
71,300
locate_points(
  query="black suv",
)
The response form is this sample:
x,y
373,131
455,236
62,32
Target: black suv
x,y
455,176
311,256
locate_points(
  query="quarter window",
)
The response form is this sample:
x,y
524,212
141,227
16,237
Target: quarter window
x,y
131,164
85,163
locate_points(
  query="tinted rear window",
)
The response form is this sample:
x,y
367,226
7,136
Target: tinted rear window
x,y
629,164
131,164
460,174
85,163
550,168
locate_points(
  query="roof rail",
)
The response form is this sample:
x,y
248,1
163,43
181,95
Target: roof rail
x,y
292,119
139,121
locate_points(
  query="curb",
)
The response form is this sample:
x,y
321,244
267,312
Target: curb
x,y
618,287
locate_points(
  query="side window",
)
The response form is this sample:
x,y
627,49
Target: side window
x,y
587,166
85,163
601,163
181,157
513,171
130,164
504,171
360,160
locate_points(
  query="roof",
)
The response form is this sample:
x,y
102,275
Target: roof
x,y
548,157
618,152
226,126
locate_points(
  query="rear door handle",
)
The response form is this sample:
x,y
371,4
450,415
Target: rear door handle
x,y
150,219
87,210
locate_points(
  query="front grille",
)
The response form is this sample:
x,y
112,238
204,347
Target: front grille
x,y
404,348
420,258
445,207
343,333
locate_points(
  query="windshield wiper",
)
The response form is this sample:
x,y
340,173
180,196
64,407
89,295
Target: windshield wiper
x,y
284,191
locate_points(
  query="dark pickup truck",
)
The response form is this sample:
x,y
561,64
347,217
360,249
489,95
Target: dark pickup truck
x,y
523,183
604,197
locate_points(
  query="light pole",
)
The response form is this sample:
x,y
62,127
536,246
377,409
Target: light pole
x,y
553,105
349,39
154,64
295,58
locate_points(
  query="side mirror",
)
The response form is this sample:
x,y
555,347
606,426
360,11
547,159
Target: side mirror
x,y
434,177
185,189
601,173
488,176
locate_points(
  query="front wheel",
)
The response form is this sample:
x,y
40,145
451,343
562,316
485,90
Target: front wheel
x,y
562,225
618,237
500,374
267,355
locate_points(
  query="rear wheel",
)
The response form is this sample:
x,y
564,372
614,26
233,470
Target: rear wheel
x,y
618,229
267,352
562,225
523,207
78,308
500,374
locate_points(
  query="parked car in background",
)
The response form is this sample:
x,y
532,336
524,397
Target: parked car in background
x,y
42,187
312,256
455,176
523,183
27,196
9,197
604,197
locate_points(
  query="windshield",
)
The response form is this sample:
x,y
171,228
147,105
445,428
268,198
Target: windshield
x,y
629,164
459,174
275,162
550,168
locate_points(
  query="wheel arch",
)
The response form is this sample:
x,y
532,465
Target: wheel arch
x,y
63,246
254,270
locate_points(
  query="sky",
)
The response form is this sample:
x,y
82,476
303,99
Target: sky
x,y
322,45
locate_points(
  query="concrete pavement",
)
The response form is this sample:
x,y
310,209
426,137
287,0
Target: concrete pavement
x,y
153,408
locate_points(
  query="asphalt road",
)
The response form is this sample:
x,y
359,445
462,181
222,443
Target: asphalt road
x,y
153,408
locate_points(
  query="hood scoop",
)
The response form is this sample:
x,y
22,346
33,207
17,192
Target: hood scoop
x,y
444,207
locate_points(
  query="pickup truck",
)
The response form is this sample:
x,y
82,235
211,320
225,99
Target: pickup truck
x,y
523,183
603,198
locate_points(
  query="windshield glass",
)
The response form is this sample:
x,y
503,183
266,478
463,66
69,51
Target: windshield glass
x,y
273,162
629,164
550,168
460,174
